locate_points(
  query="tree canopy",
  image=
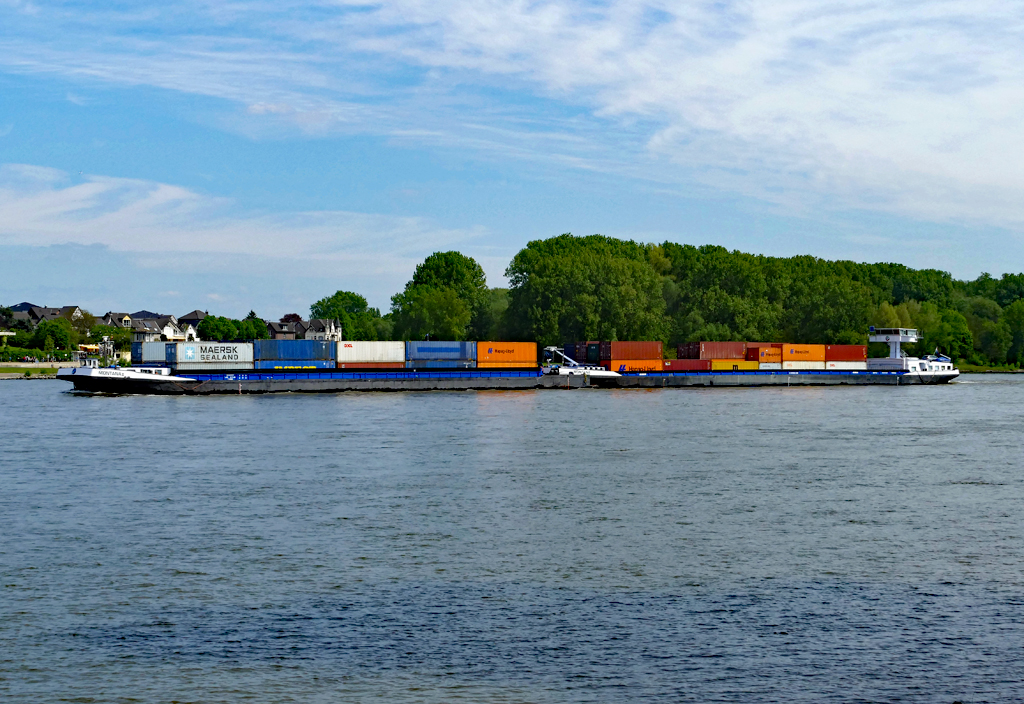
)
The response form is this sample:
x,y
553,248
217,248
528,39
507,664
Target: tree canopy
x,y
358,320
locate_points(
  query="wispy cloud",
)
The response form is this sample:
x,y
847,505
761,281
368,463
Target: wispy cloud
x,y
912,108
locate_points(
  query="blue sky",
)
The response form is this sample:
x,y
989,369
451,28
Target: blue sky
x,y
241,155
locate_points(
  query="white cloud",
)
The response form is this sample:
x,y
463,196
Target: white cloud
x,y
912,108
169,226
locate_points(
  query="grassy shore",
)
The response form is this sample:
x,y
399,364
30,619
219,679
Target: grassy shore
x,y
33,371
982,368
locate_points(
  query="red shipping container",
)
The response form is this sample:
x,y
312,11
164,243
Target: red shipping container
x,y
723,350
687,365
371,365
846,353
624,349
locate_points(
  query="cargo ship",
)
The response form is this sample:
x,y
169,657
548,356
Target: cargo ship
x,y
308,366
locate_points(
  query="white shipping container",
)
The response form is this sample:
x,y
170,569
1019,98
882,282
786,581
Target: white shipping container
x,y
770,366
365,351
887,364
154,352
846,366
804,366
214,354
212,366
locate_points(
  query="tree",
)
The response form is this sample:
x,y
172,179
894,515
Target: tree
x,y
292,318
452,271
425,312
60,333
358,320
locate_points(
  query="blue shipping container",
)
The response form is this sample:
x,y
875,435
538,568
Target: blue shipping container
x,y
136,353
441,364
294,349
440,350
295,364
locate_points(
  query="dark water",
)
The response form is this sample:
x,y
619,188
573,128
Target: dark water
x,y
744,545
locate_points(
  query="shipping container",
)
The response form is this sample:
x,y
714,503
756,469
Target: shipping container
x,y
803,366
295,364
593,352
634,365
846,353
733,365
373,365
764,352
210,354
154,352
625,349
439,350
803,353
506,365
298,350
207,367
367,351
841,366
440,364
887,364
712,350
136,353
769,366
502,352
687,365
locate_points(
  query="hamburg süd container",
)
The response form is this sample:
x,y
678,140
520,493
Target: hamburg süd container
x,y
733,365
841,366
712,350
803,366
370,351
295,364
769,366
521,353
687,365
210,354
297,350
623,366
846,353
627,349
765,353
372,365
803,353
439,350
440,364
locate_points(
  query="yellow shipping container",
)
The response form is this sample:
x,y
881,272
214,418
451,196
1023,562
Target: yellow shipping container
x,y
505,365
803,353
523,353
733,365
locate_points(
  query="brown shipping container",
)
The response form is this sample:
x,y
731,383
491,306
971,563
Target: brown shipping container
x,y
631,350
803,353
371,365
765,353
506,365
846,353
634,365
723,350
522,352
687,365
688,350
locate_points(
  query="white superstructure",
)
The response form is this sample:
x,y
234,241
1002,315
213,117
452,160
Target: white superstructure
x,y
927,369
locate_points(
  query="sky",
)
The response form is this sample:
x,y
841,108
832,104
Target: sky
x,y
248,155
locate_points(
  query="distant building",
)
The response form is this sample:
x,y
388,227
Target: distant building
x,y
166,328
24,307
193,318
321,329
116,320
281,331
147,315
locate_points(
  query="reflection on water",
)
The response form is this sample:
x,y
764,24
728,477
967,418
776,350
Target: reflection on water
x,y
834,544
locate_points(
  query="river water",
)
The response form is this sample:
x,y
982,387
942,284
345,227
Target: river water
x,y
732,545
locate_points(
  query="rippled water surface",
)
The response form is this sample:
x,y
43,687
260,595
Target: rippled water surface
x,y
735,545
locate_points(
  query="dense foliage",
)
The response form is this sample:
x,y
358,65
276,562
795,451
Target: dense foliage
x,y
214,327
358,321
447,298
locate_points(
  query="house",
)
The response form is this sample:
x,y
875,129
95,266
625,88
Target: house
x,y
166,328
281,331
322,329
24,307
116,320
147,315
193,318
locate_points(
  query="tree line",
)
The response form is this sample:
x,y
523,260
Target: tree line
x,y
600,288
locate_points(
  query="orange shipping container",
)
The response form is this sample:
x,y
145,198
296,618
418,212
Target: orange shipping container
x,y
525,353
634,365
764,353
506,365
803,353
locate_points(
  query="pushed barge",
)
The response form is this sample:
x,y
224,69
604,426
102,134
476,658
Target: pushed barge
x,y
895,370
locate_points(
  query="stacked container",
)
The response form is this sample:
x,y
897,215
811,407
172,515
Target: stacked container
x,y
506,355
687,365
733,365
294,354
712,350
436,354
150,353
371,355
803,357
768,355
631,356
846,357
209,356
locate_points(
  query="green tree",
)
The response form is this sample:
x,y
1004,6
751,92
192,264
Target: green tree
x,y
60,332
424,312
456,272
357,319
